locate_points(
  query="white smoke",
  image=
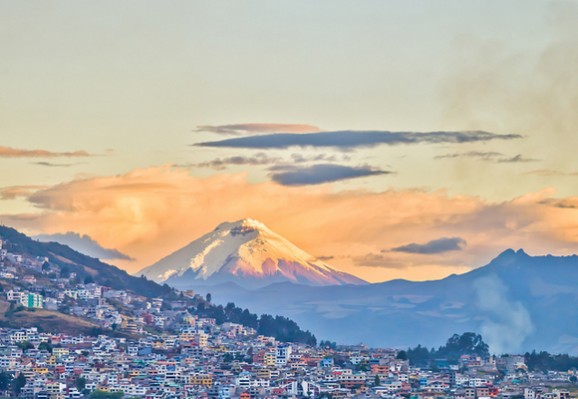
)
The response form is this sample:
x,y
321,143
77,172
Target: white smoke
x,y
505,324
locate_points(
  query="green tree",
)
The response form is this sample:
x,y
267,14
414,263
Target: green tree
x,y
106,395
80,383
45,346
64,272
25,345
19,383
5,380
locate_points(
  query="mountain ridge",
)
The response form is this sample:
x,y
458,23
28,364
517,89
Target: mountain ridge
x,y
517,301
83,265
246,252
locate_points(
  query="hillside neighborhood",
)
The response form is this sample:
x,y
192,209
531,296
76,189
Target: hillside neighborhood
x,y
64,337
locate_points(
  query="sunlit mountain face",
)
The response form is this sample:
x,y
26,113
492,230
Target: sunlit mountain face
x,y
248,253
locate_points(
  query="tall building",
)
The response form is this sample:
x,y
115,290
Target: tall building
x,y
32,300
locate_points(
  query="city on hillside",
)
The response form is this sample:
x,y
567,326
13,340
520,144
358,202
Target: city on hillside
x,y
63,337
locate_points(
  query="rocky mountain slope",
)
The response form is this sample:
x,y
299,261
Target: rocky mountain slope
x,y
245,252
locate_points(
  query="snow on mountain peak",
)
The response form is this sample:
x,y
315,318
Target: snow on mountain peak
x,y
247,222
246,252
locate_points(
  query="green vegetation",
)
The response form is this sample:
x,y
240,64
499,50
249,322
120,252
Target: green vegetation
x,y
468,343
47,346
5,381
18,383
106,395
25,345
70,261
80,384
544,361
282,328
328,344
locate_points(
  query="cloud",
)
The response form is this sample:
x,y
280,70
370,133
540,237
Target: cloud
x,y
261,159
222,163
348,139
251,128
533,92
485,155
84,244
13,192
10,152
517,159
300,158
325,258
571,203
321,173
550,173
55,165
491,156
380,261
149,213
440,245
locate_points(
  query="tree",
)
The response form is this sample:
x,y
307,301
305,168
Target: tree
x,y
19,383
25,345
468,343
45,266
376,381
5,380
106,395
88,280
401,355
328,344
208,297
64,272
80,383
47,346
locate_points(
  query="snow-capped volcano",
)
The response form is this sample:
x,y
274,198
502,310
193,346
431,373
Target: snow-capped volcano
x,y
245,252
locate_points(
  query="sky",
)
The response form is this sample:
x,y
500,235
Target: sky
x,y
393,139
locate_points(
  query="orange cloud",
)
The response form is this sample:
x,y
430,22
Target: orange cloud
x,y
13,192
149,213
10,152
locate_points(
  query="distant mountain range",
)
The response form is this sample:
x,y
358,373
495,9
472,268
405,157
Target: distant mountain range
x,y
247,253
61,257
517,302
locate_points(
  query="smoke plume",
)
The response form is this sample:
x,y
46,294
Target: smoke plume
x,y
506,324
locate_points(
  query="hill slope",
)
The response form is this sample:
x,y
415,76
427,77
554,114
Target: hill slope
x,y
517,302
245,252
82,265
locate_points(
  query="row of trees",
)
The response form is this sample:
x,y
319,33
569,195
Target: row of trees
x,y
544,361
468,343
328,344
282,328
472,344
